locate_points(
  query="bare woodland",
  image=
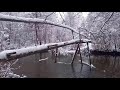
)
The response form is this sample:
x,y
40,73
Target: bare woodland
x,y
100,27
34,29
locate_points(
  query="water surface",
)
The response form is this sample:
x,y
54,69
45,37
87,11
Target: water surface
x,y
106,67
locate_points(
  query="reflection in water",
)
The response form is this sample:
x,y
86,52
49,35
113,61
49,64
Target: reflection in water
x,y
108,65
81,68
73,71
34,67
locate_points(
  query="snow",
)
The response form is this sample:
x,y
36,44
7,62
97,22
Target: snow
x,y
33,20
3,54
63,51
83,47
43,59
21,51
63,63
85,14
6,35
92,66
71,51
83,62
34,48
6,71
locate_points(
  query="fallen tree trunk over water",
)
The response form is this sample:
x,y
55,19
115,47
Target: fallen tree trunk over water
x,y
18,53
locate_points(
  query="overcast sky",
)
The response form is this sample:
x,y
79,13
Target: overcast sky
x,y
85,14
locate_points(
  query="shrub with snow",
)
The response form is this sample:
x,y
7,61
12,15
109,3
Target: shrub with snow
x,y
6,70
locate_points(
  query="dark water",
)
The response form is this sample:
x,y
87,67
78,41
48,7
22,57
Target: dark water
x,y
106,67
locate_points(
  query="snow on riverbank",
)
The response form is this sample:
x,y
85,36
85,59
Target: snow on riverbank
x,y
83,49
6,70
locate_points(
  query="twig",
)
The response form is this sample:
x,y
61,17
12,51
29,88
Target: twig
x,y
49,15
107,20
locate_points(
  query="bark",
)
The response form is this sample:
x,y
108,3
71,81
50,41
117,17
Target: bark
x,y
14,54
35,20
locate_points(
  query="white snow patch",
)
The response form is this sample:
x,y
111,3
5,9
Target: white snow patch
x,y
43,59
63,63
92,66
63,51
71,51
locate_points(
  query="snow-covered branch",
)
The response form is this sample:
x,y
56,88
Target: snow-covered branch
x,y
33,20
107,20
18,53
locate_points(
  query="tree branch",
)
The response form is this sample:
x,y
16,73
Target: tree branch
x,y
33,20
88,31
107,20
49,15
76,14
62,17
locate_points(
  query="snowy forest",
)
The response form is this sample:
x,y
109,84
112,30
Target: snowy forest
x,y
101,28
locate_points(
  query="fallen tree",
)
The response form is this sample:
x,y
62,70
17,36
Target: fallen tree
x,y
18,53
33,20
36,20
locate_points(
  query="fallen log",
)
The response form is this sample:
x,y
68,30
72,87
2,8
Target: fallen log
x,y
18,53
9,54
36,20
33,20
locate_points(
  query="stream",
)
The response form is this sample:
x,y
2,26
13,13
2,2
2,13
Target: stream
x,y
34,67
